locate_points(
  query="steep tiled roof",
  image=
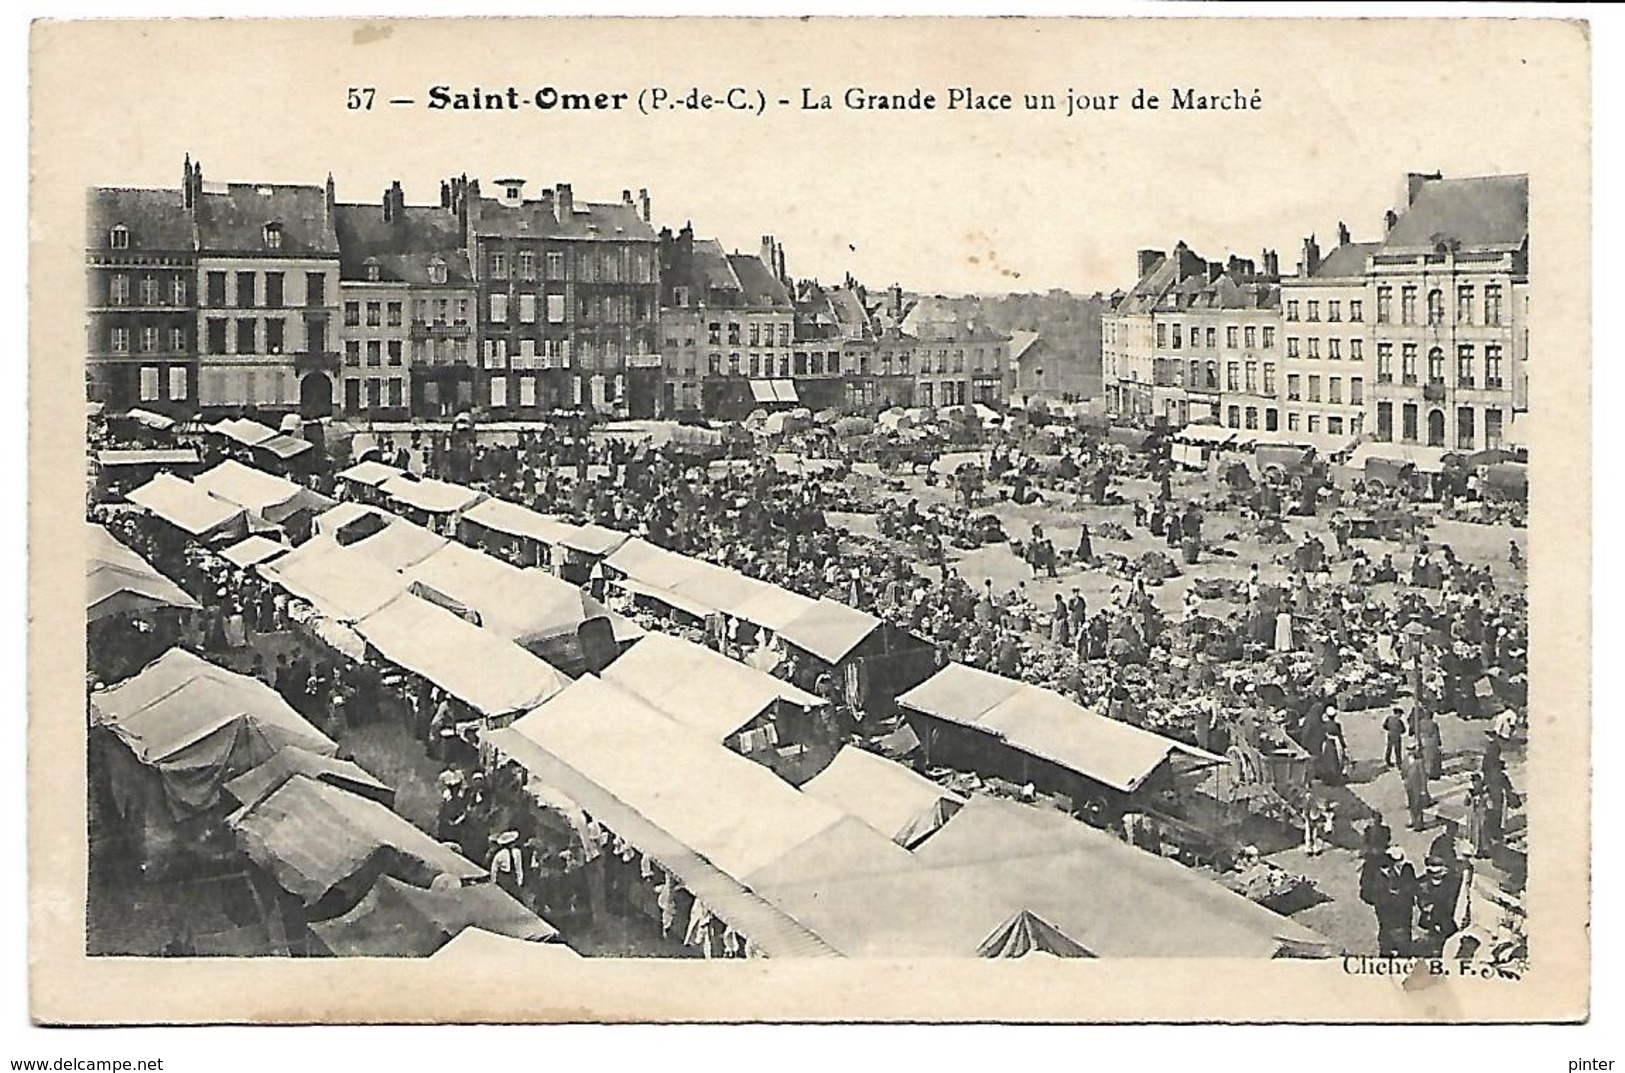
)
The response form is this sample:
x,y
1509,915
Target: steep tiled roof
x,y
403,247
712,269
1491,210
588,221
1347,260
232,217
761,288
155,219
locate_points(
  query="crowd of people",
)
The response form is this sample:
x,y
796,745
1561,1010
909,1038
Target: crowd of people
x,y
1400,635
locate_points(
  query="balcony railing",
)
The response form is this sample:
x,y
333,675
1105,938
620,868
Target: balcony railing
x,y
422,329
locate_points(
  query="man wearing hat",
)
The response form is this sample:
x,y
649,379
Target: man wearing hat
x,y
507,863
1388,885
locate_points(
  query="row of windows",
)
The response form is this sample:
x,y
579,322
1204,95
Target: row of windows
x,y
1334,389
1466,422
150,340
1334,348
247,333
1465,304
251,287
118,237
1466,364
1334,310
378,351
379,393
614,264
1234,336
150,289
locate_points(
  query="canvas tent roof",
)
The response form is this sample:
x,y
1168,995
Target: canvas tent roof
x,y
311,837
735,813
772,608
1425,459
487,951
1045,724
774,391
400,544
199,725
429,495
902,805
369,473
652,565
254,550
1109,897
342,583
165,456
492,675
501,516
396,919
160,422
284,446
772,931
246,432
1028,933
186,506
117,580
333,519
516,604
259,782
829,630
249,488
702,689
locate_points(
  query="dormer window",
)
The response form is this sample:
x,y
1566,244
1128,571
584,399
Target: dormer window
x,y
119,237
372,270
437,271
273,236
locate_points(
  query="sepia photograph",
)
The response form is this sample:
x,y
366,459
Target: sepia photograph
x,y
907,504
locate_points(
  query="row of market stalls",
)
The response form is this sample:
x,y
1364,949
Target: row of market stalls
x,y
868,858
199,763
230,502
867,659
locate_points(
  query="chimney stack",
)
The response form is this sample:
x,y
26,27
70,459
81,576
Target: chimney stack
x,y
1389,219
897,302
1414,182
643,205
1311,257
1342,233
626,197
445,194
1147,262
564,203
767,252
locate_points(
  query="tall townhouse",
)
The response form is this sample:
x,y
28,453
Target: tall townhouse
x,y
728,324
141,271
568,300
1448,291
1228,331
268,262
1139,370
408,298
1329,339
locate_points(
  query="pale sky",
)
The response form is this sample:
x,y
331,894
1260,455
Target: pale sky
x,y
939,201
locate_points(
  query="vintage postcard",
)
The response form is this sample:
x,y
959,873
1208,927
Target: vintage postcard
x,y
833,519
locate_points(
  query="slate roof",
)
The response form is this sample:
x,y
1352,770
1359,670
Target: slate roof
x,y
403,247
761,287
155,219
231,218
1346,261
588,221
1487,211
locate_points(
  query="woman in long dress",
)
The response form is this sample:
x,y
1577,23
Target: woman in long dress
x,y
1283,632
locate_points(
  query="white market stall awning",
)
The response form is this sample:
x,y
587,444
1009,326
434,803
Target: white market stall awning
x,y
369,474
492,675
119,581
829,630
429,495
1046,725
253,551
901,804
186,506
700,688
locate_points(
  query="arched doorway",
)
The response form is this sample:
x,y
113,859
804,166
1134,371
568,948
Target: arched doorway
x,y
1435,428
316,396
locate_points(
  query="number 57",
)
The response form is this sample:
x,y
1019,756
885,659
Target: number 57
x,y
360,98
